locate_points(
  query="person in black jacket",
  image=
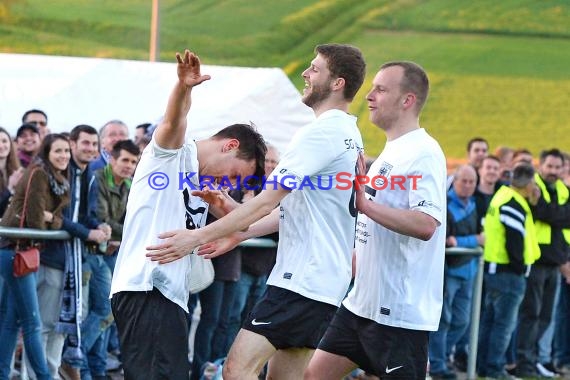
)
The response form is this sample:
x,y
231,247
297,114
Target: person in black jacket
x,y
552,220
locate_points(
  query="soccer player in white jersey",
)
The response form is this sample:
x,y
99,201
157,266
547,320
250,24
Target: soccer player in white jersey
x,y
316,227
149,301
382,326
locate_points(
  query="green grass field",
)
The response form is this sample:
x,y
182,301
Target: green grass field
x,y
498,69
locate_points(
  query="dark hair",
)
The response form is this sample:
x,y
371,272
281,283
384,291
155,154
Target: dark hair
x,y
76,131
144,127
12,162
27,127
551,152
345,61
251,145
33,111
522,175
476,140
414,80
47,142
126,145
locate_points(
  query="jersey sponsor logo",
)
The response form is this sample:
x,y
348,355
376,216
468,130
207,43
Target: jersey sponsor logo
x,y
385,169
388,370
428,204
287,275
256,323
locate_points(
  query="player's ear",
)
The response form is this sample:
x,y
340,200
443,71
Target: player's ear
x,y
230,144
338,84
409,100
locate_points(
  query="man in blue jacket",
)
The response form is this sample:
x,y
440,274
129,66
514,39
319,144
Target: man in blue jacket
x,y
459,271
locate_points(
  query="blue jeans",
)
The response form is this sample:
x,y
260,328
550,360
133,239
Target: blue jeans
x,y
455,316
19,308
249,290
215,302
546,341
108,341
99,316
504,293
511,354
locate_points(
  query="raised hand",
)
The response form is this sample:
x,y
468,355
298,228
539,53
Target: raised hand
x,y
189,69
361,200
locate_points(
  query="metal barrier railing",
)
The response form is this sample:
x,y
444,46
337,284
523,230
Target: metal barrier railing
x,y
32,233
475,306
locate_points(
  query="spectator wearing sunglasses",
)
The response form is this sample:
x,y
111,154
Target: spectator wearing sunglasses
x,y
39,119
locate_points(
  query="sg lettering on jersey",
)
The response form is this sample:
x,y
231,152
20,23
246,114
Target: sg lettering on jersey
x,y
351,144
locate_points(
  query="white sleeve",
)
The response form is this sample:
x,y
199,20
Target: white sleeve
x,y
160,152
308,154
427,186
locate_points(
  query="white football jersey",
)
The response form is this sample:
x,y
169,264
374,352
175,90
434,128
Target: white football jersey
x,y
159,201
316,230
399,279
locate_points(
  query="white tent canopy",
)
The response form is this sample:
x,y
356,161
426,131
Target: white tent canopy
x,y
93,91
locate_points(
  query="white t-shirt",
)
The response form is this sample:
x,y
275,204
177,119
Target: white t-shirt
x,y
150,211
399,279
316,229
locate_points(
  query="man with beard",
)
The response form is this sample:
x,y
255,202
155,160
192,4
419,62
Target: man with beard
x,y
316,227
552,224
384,323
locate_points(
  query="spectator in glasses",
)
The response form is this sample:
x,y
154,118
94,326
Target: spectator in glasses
x,y
39,119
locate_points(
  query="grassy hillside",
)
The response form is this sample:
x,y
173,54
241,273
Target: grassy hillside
x,y
498,69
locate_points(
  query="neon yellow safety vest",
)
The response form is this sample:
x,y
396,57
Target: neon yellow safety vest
x,y
543,230
495,250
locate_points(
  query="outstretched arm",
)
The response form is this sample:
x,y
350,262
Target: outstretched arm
x,y
180,243
172,129
264,226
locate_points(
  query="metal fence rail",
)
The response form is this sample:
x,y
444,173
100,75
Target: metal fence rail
x,y
475,306
30,233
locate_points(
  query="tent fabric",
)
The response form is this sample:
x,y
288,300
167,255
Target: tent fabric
x,y
92,91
